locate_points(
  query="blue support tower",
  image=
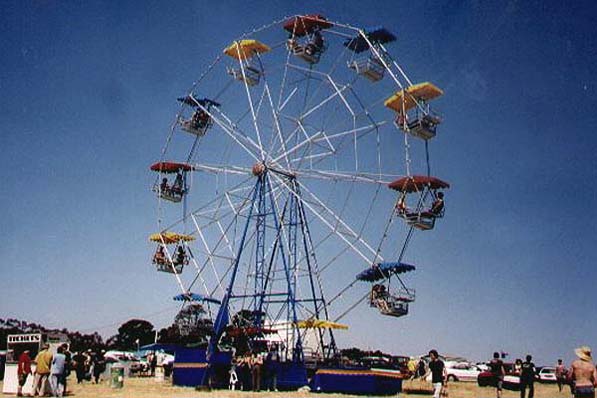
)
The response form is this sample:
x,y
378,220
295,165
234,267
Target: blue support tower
x,y
276,225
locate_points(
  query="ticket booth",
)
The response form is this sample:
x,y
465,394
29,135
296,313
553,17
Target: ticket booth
x,y
16,344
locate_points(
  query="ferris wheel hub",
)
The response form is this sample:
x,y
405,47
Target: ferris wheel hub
x,y
258,169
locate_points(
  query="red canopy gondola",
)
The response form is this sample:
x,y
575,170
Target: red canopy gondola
x,y
417,183
302,25
170,167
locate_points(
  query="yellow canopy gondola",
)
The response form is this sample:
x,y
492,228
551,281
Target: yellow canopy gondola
x,y
170,237
419,92
245,49
320,324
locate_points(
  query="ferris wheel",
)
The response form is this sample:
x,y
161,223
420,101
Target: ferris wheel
x,y
293,178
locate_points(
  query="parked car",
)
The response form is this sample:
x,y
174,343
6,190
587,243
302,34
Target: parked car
x,y
462,371
511,379
547,374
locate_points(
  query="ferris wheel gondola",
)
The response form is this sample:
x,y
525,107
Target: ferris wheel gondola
x,y
429,200
306,39
371,40
414,115
199,120
170,261
175,191
389,301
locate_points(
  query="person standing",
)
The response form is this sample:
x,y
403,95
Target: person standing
x,y
527,377
43,362
99,366
57,372
256,364
412,368
421,368
496,367
67,366
438,373
583,373
561,374
153,363
23,370
79,359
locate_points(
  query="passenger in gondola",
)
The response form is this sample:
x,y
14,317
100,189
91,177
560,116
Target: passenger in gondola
x,y
164,187
159,257
316,44
379,296
438,204
180,255
401,205
177,185
200,119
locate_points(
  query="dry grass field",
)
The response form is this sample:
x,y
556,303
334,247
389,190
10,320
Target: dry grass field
x,y
149,388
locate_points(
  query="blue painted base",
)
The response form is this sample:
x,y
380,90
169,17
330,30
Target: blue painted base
x,y
356,381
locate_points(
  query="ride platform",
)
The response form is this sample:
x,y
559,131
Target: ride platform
x,y
359,381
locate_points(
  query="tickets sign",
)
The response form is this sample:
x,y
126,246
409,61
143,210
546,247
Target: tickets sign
x,y
23,338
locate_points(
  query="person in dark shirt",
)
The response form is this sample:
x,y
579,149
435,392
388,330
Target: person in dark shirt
x,y
438,204
527,377
438,372
496,366
421,371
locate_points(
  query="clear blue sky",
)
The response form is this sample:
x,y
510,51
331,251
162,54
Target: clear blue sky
x,y
87,97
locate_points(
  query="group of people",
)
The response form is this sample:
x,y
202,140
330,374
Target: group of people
x,y
255,371
89,365
436,209
437,369
581,375
179,258
52,369
177,187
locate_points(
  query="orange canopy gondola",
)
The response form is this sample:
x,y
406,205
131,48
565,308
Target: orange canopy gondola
x,y
170,167
302,25
170,237
417,183
245,49
400,102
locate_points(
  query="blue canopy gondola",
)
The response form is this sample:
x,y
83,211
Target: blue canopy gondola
x,y
388,301
383,271
196,297
200,120
376,34
192,101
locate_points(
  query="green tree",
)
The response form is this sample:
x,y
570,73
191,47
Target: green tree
x,y
191,327
128,334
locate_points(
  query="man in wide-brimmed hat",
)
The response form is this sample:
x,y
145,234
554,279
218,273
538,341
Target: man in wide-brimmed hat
x,y
583,373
